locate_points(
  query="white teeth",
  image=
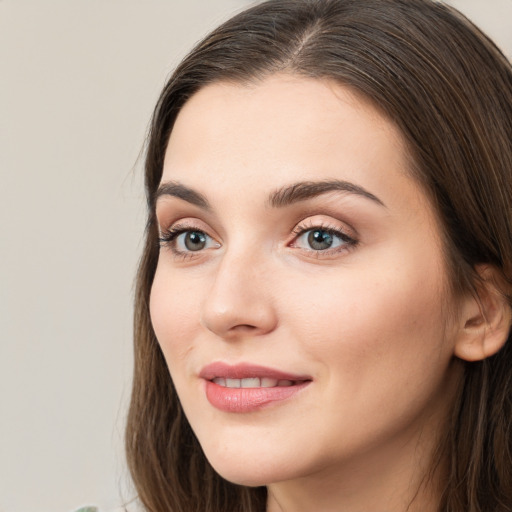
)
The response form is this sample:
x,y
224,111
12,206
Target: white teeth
x,y
268,383
252,382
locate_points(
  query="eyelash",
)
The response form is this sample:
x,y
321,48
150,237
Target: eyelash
x,y
169,235
348,241
168,238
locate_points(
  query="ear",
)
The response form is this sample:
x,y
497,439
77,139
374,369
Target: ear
x,y
485,319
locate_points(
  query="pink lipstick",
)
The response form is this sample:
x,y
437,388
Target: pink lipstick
x,y
246,388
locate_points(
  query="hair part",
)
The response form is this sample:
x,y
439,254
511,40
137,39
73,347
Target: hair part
x,y
449,90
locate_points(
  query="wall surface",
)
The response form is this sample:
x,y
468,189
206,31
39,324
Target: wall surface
x,y
79,80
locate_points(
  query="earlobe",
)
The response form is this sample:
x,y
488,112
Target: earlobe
x,y
485,319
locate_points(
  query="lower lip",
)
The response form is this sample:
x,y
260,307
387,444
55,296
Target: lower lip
x,y
248,399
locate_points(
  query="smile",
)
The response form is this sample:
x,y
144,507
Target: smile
x,y
244,388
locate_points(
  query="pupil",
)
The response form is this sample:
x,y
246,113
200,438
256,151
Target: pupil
x,y
195,241
320,240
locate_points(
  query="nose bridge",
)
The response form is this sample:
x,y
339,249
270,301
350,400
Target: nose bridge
x,y
240,298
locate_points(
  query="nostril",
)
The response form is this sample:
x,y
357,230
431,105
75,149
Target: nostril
x,y
244,327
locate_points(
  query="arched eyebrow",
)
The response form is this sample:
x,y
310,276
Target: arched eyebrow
x,y
285,196
304,190
176,189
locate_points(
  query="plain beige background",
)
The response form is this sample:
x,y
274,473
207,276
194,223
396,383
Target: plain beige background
x,y
79,79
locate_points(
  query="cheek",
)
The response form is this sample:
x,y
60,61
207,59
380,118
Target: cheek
x,y
380,351
174,316
373,326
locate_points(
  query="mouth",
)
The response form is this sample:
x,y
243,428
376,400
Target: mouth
x,y
247,388
253,382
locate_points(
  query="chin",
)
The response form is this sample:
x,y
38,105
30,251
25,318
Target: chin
x,y
253,473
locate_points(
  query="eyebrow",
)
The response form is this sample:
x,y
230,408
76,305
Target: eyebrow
x,y
285,196
304,190
175,189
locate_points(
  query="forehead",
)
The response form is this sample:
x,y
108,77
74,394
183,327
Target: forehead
x,y
282,130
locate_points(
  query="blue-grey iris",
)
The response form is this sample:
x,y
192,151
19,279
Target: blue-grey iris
x,y
320,240
195,240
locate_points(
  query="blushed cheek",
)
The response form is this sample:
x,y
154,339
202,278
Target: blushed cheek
x,y
158,309
173,319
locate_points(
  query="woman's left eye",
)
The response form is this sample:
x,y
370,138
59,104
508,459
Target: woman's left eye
x,y
322,239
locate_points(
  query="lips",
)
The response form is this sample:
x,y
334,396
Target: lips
x,y
247,388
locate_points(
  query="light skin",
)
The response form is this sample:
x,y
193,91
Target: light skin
x,y
367,313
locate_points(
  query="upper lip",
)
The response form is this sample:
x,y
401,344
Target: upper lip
x,y
245,371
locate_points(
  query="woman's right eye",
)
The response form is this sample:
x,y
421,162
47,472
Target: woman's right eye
x,y
191,241
183,241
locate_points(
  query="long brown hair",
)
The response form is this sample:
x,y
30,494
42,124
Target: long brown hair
x,y
449,89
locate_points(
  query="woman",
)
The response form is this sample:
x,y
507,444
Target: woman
x,y
323,302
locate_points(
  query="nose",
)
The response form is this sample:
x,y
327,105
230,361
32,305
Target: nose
x,y
240,301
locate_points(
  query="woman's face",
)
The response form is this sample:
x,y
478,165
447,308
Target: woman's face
x,y
300,297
